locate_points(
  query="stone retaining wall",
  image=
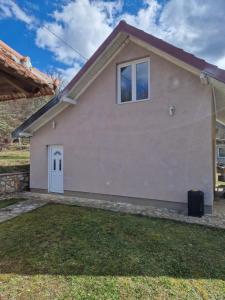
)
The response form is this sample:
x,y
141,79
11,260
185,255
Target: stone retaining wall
x,y
14,182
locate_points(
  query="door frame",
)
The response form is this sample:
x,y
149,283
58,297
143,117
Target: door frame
x,y
50,147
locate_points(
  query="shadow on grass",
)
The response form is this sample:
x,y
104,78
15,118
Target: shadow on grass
x,y
15,168
11,201
69,240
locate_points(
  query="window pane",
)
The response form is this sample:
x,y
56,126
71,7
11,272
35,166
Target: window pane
x,y
54,165
142,81
60,165
126,84
222,152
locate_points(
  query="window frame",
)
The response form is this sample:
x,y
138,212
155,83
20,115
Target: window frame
x,y
220,147
133,64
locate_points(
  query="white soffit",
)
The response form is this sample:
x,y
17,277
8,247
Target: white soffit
x,y
50,114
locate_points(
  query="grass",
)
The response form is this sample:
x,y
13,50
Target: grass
x,y
67,252
8,202
13,161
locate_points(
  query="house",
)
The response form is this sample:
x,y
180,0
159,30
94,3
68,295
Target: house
x,y
18,79
136,124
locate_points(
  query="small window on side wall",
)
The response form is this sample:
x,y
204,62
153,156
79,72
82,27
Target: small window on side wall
x,y
221,152
133,81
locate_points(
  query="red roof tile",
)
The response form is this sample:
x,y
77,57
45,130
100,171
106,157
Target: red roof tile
x,y
17,66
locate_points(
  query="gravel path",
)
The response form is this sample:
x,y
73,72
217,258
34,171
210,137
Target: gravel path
x,y
216,220
36,200
19,208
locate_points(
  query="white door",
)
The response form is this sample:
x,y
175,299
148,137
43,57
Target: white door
x,y
55,169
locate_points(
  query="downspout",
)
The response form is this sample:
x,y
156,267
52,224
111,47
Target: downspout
x,y
214,140
206,80
214,134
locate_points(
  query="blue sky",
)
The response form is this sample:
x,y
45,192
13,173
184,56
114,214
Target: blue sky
x,y
195,25
19,37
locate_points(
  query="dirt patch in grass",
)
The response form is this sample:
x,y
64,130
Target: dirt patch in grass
x,y
67,252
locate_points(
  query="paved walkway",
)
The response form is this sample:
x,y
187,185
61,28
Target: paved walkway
x,y
36,200
216,220
19,208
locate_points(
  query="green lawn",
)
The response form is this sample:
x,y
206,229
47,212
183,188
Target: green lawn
x,y
67,252
11,201
14,160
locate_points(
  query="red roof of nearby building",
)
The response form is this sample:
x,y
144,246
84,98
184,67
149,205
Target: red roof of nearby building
x,y
19,79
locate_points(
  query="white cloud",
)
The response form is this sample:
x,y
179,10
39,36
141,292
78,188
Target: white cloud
x,y
146,18
9,9
82,24
69,73
221,62
195,25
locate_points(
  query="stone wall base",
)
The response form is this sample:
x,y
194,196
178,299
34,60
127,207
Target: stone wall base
x,y
175,206
14,182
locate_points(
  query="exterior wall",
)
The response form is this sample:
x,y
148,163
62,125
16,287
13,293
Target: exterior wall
x,y
14,182
134,149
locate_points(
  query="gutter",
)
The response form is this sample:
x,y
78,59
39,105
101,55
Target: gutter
x,y
19,130
53,103
25,134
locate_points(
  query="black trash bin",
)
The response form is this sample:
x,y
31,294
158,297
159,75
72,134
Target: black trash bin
x,y
195,203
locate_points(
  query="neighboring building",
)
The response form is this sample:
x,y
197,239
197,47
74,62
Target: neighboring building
x,y
136,124
18,79
220,143
23,90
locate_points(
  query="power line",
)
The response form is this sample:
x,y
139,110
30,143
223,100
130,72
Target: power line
x,y
62,40
67,44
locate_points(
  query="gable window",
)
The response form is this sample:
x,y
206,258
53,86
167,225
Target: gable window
x,y
133,81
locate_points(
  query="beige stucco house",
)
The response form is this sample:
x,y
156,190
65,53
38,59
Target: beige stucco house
x,y
136,124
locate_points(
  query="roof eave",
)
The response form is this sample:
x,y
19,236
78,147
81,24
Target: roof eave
x,y
30,126
99,61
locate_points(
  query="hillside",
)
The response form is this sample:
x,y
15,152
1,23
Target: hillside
x,y
13,113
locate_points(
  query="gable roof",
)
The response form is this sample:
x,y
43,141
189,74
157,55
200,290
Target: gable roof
x,y
115,41
178,53
19,79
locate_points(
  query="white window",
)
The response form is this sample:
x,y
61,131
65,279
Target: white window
x,y
133,81
221,152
